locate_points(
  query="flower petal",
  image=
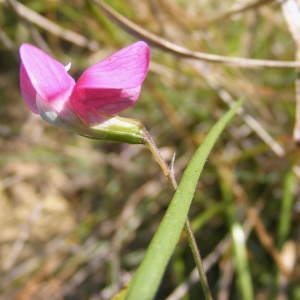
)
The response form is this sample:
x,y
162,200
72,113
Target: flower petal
x,y
27,90
41,74
113,84
126,68
105,102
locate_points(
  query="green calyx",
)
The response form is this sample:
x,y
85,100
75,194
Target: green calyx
x,y
117,129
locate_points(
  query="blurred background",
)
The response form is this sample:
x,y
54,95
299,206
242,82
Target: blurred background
x,y
76,215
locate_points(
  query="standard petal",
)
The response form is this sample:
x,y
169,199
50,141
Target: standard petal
x,y
113,84
45,76
124,69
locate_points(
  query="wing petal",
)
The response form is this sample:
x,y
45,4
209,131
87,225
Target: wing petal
x,y
41,74
113,84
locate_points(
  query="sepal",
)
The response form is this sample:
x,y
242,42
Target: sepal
x,y
118,129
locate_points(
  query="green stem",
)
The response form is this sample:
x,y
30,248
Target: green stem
x,y
198,260
150,144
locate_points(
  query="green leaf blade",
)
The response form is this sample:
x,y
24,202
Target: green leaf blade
x,y
149,274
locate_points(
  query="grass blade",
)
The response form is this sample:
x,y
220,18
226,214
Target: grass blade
x,y
149,274
243,274
241,261
286,209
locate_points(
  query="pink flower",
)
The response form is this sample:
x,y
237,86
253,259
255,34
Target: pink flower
x,y
102,91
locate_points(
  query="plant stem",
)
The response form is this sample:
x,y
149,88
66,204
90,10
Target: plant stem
x,y
150,144
198,260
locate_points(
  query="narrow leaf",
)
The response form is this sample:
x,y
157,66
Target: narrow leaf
x,y
241,262
286,208
149,274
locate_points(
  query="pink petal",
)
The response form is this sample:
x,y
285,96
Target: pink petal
x,y
41,74
126,68
105,102
27,90
113,84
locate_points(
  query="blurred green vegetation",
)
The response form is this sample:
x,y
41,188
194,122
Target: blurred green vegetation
x,y
76,215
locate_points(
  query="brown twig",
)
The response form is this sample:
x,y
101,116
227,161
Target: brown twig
x,y
175,49
42,22
173,9
5,40
238,10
